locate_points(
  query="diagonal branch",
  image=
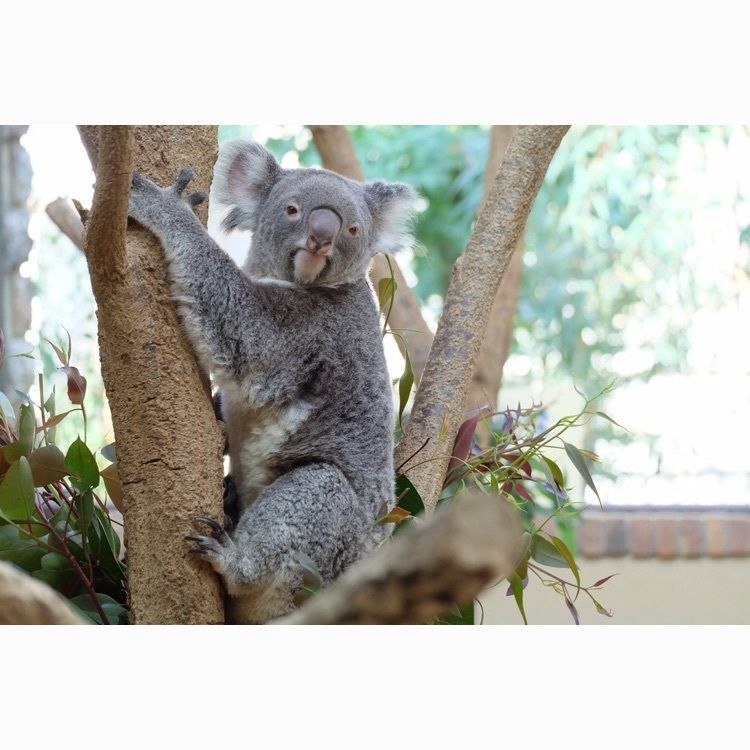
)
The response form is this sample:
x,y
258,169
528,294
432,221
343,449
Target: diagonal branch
x,y
336,149
498,338
64,216
439,403
448,559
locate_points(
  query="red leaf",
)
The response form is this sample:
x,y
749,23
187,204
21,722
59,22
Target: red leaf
x,y
602,581
76,385
464,441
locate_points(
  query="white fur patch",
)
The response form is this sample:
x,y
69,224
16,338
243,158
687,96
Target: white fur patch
x,y
255,434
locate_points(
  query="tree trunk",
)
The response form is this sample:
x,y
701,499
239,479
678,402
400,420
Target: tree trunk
x,y
498,338
169,445
413,334
438,410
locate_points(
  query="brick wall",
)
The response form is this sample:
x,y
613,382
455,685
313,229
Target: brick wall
x,y
666,534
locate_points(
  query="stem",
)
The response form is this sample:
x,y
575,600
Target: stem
x,y
86,582
41,408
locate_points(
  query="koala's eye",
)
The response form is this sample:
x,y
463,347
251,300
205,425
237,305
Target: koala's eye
x,y
292,210
353,230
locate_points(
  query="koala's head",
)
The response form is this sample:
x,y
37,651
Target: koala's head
x,y
311,227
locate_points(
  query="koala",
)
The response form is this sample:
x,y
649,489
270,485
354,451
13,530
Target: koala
x,y
293,342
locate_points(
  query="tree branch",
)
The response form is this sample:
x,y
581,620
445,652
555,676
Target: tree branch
x,y
447,559
169,445
498,338
439,403
64,216
26,601
414,336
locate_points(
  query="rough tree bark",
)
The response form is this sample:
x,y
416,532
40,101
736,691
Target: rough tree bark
x,y
169,445
336,150
496,343
459,551
438,408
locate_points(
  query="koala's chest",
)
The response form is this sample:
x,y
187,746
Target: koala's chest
x,y
255,435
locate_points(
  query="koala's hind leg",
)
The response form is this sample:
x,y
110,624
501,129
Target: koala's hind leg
x,y
310,510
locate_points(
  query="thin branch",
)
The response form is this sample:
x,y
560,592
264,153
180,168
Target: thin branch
x,y
64,216
429,567
336,149
439,403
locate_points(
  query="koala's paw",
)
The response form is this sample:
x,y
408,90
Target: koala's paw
x,y
151,204
217,549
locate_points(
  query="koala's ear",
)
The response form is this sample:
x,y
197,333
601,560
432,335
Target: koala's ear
x,y
244,175
393,206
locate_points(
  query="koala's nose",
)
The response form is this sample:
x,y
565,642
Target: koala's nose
x,y
323,226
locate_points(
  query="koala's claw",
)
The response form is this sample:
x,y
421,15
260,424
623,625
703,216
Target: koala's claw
x,y
218,531
186,174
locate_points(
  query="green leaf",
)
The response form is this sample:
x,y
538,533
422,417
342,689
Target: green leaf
x,y
47,465
82,463
386,290
564,550
555,471
26,430
546,553
55,561
49,407
56,571
580,463
19,549
114,611
17,492
85,506
407,496
109,548
405,384
601,610
517,586
458,615
607,417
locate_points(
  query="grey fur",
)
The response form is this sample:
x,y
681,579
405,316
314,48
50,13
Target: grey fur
x,y
298,358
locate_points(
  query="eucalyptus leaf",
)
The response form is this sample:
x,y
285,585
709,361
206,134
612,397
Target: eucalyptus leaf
x,y
545,553
580,463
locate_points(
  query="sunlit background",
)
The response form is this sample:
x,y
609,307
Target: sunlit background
x,y
636,268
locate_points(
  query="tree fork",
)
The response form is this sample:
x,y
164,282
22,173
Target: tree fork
x,y
169,445
439,402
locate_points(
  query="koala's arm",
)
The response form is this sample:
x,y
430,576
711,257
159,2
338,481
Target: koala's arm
x,y
214,296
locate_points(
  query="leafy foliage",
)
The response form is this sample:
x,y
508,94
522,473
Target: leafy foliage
x,y
519,468
53,522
